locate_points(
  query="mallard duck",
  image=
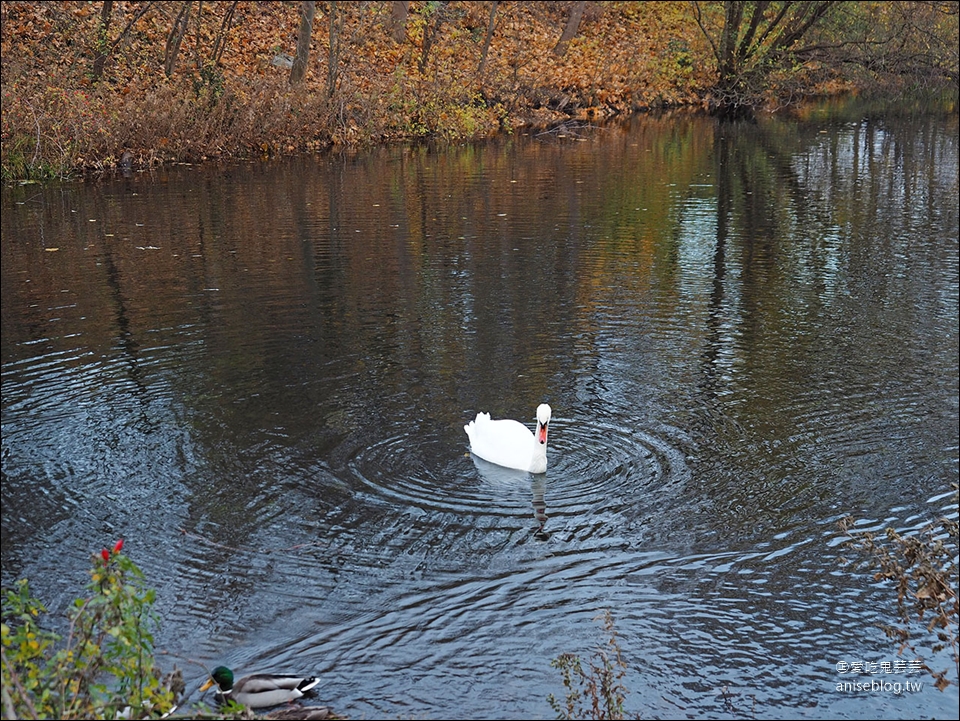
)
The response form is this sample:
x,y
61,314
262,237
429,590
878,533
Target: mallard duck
x,y
259,690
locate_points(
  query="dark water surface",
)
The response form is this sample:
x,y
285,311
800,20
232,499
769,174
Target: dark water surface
x,y
258,375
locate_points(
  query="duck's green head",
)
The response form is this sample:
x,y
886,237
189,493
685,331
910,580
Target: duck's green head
x,y
222,676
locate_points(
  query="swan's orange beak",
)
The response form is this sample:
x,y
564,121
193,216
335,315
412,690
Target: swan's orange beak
x,y
542,433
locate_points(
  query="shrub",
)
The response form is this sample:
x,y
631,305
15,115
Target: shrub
x,y
601,688
104,666
924,568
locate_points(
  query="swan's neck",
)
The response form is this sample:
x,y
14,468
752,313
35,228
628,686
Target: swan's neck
x,y
538,464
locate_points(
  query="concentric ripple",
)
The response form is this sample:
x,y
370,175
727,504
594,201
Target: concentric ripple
x,y
602,478
424,472
596,464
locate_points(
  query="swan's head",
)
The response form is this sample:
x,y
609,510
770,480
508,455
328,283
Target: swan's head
x,y
543,418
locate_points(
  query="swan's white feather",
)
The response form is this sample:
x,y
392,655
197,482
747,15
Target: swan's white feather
x,y
508,443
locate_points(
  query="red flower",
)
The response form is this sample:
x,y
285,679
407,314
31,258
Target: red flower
x,y
106,555
118,547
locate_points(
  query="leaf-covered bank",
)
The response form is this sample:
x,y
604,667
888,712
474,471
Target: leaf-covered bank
x,y
90,85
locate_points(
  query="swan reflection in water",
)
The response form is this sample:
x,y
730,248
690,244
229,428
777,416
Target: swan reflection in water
x,y
540,506
500,476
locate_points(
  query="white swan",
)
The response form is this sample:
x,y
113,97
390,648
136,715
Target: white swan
x,y
510,443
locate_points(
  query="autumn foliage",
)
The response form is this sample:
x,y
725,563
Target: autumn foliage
x,y
89,85
228,93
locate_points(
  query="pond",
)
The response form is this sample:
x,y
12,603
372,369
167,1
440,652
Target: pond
x,y
258,375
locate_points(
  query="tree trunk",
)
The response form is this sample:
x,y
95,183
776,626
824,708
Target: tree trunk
x,y
756,39
307,12
434,16
733,15
570,31
221,42
336,34
486,42
102,32
175,37
104,48
397,25
198,61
